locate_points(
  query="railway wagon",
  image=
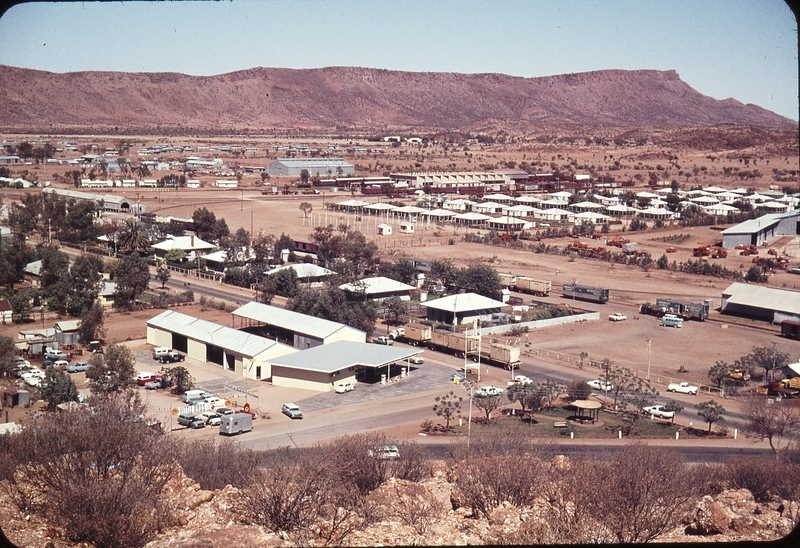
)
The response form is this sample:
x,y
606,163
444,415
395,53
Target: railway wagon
x,y
685,309
585,293
452,343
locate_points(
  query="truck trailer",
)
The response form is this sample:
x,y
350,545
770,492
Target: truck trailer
x,y
585,293
540,288
416,334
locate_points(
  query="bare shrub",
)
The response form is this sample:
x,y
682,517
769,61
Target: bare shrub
x,y
414,463
213,466
96,475
485,483
642,493
752,474
788,489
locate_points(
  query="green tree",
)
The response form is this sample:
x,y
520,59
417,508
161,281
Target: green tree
x,y
527,395
578,390
755,274
92,322
445,272
182,380
55,265
8,352
83,284
638,396
266,290
396,310
304,176
550,391
112,371
285,282
481,279
79,222
448,407
674,406
134,236
21,307
175,256
332,304
204,223
133,277
768,358
306,208
718,372
57,388
13,258
163,275
487,403
711,412
284,242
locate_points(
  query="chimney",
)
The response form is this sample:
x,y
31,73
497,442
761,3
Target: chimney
x,y
192,240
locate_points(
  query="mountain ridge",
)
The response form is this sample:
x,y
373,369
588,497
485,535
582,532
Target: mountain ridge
x,y
364,98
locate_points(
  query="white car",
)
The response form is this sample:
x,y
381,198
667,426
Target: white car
x,y
601,384
32,379
211,418
683,388
659,411
388,341
520,379
617,317
214,402
416,360
343,387
488,391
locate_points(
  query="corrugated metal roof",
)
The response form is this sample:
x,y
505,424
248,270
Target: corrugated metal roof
x,y
303,270
378,284
751,226
463,302
340,355
227,338
757,296
292,321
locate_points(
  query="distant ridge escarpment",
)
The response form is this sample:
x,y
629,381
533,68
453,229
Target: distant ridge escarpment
x,y
351,98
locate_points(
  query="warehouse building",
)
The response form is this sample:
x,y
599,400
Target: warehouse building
x,y
292,328
756,301
105,202
323,367
322,167
206,341
462,308
761,229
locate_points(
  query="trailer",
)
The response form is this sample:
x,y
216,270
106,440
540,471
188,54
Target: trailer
x,y
585,293
452,343
507,281
790,329
500,354
416,334
794,382
539,288
235,423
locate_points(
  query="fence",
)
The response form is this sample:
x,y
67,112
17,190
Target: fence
x,y
579,363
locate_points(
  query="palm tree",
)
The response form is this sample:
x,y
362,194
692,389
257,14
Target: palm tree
x,y
134,236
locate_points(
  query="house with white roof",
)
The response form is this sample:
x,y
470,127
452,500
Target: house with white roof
x,y
462,308
378,289
191,245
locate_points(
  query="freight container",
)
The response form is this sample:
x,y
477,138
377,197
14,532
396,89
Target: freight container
x,y
540,288
416,334
454,343
791,329
507,280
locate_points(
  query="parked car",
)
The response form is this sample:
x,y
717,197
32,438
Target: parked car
x,y
32,380
383,340
94,347
416,360
48,362
343,387
215,402
658,411
211,418
384,452
144,377
601,384
617,317
60,364
683,388
52,354
158,384
171,357
77,367
224,410
488,391
21,362
291,411
191,421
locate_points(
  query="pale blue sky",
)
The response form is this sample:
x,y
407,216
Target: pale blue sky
x,y
745,49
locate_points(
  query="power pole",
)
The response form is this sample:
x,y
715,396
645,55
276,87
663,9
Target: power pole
x,y
649,341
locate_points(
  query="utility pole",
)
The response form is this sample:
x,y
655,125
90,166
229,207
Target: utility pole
x,y
649,341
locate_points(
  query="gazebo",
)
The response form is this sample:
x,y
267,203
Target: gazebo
x,y
587,410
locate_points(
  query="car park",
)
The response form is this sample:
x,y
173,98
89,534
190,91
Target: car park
x,y
617,317
682,388
658,411
343,387
601,384
488,391
211,418
383,340
292,411
77,367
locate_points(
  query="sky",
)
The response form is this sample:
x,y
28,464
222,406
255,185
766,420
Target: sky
x,y
745,49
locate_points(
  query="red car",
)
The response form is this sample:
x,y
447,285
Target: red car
x,y
141,380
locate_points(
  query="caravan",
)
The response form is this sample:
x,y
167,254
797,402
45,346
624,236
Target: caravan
x,y
235,423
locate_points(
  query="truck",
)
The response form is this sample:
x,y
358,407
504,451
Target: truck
x,y
507,281
503,355
415,334
684,309
585,293
452,343
540,288
794,382
235,423
776,389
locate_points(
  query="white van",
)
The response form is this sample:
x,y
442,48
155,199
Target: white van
x,y
159,351
194,395
671,320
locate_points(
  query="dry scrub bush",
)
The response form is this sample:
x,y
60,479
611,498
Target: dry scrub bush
x,y
755,475
95,475
213,465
